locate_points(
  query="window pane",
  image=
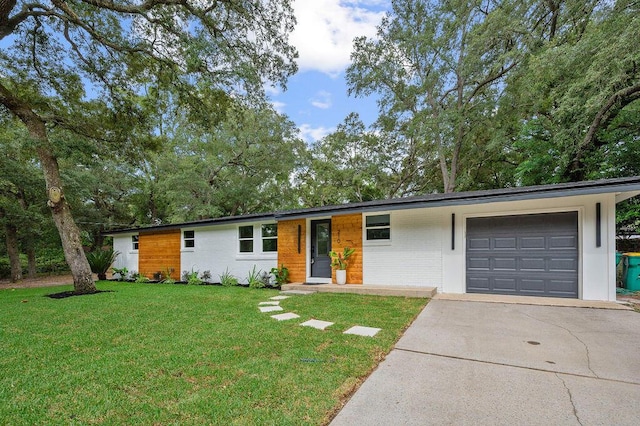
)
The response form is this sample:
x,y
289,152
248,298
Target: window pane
x,y
379,220
379,234
246,232
189,234
270,230
189,243
134,241
269,244
246,246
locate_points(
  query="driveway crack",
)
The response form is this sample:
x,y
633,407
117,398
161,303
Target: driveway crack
x,y
575,411
586,347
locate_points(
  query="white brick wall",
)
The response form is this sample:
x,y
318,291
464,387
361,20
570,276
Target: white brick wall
x,y
413,257
217,248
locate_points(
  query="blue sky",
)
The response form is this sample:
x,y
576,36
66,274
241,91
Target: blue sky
x,y
316,97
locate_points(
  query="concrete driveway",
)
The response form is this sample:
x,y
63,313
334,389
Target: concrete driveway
x,y
506,364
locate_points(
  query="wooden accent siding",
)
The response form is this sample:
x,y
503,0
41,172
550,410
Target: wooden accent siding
x,y
346,231
159,251
288,248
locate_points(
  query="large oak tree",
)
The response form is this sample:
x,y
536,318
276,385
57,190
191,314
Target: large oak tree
x,y
81,66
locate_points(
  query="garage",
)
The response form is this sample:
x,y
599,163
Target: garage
x,y
525,255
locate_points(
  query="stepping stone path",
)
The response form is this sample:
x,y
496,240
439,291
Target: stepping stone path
x,y
320,325
284,317
274,305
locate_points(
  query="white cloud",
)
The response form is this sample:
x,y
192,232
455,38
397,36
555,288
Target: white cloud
x,y
326,29
278,106
321,100
312,134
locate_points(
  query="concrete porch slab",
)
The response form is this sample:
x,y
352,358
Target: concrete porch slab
x,y
376,290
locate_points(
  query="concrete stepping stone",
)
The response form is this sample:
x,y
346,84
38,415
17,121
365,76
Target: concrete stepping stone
x,y
284,317
270,308
279,297
268,303
363,331
320,325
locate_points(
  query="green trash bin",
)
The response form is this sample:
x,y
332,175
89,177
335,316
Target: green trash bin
x,y
631,273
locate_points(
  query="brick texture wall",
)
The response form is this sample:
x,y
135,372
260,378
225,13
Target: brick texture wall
x,y
159,251
288,248
346,231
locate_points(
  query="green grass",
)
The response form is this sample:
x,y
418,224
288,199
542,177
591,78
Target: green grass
x,y
174,354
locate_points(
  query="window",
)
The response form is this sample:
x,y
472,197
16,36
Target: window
x,y
135,242
270,237
378,227
245,234
189,239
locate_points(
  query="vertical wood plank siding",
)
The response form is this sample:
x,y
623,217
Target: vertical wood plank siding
x,y
159,251
346,231
288,248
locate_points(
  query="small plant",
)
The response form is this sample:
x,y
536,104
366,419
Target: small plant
x,y
122,273
206,276
191,278
227,279
100,261
281,275
141,279
339,260
265,277
254,278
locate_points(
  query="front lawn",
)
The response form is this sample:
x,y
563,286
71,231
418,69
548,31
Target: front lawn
x,y
174,354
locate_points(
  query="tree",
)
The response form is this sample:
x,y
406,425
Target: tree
x,y
576,96
439,68
80,66
243,166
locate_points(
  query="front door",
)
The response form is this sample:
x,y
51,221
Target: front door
x,y
320,248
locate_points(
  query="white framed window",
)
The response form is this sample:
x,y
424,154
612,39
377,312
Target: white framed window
x,y
135,242
245,238
189,238
378,227
270,238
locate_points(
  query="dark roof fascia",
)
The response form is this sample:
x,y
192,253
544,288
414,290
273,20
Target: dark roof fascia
x,y
195,224
473,197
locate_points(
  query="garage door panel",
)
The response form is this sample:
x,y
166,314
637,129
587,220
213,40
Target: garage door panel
x,y
501,243
533,243
527,255
563,242
505,264
478,243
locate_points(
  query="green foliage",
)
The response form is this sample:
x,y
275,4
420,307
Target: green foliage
x,y
281,274
100,261
339,260
227,279
191,277
254,279
122,273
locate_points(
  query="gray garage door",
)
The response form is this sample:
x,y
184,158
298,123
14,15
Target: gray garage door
x,y
534,255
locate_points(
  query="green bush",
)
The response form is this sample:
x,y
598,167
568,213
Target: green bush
x,y
227,279
100,261
254,279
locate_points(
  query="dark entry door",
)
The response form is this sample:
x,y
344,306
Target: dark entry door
x,y
320,248
535,255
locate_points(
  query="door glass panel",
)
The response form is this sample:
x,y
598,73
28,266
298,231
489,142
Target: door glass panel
x,y
322,238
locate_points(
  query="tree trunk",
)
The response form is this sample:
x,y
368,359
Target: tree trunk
x,y
11,235
31,261
60,209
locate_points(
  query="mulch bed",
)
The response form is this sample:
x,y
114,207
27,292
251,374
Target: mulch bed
x,y
65,294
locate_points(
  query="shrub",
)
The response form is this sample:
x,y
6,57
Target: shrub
x,y
206,276
253,279
227,279
280,274
191,278
139,278
122,273
100,261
